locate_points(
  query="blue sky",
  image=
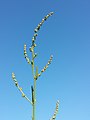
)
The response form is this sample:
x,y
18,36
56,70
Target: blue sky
x,y
66,35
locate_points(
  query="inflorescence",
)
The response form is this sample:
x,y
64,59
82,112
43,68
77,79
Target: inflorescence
x,y
19,88
36,74
34,55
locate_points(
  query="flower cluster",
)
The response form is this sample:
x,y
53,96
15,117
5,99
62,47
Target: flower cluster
x,y
40,24
19,88
46,66
44,69
25,55
34,45
17,85
37,29
14,79
36,74
56,111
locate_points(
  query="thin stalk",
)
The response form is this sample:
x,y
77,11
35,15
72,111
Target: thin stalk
x,y
34,87
34,104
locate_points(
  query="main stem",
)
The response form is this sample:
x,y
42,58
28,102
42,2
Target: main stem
x,y
34,104
34,87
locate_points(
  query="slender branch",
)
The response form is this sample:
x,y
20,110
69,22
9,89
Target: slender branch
x,y
46,66
19,88
43,20
55,112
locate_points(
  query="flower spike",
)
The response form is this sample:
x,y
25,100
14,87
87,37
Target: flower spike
x,y
39,26
56,111
19,88
46,66
25,55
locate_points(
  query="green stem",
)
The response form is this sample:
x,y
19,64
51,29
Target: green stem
x,y
34,95
34,104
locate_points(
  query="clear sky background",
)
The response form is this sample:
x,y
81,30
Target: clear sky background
x,y
66,35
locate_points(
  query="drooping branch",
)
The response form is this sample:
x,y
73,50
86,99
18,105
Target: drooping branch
x,y
19,88
35,32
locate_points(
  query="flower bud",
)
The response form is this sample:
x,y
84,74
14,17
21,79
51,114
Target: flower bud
x,y
20,89
33,39
13,76
40,24
35,30
39,75
23,95
16,83
51,13
35,34
34,45
47,15
31,49
38,27
42,70
45,18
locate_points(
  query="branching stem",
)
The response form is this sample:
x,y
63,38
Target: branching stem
x,y
35,73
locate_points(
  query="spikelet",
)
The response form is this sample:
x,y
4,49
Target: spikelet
x,y
56,111
25,55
